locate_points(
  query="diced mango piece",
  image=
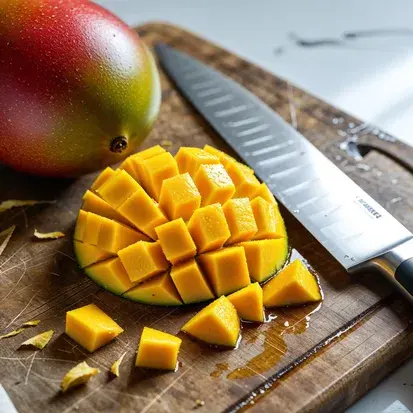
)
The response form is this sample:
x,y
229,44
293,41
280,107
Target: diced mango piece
x,y
191,283
159,290
223,157
95,204
264,192
92,229
265,257
266,220
158,350
80,226
116,190
208,228
249,303
87,254
129,165
214,184
179,197
155,170
293,285
104,176
143,260
176,241
189,159
246,183
114,236
240,219
149,153
111,275
90,327
143,212
226,269
279,220
218,324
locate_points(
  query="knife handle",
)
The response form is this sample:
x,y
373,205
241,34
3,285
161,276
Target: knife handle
x,y
397,265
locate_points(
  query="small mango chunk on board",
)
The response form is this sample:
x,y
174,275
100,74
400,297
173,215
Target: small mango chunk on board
x,y
176,241
159,290
226,269
167,230
90,327
143,260
191,283
249,303
293,285
158,350
265,257
77,376
217,324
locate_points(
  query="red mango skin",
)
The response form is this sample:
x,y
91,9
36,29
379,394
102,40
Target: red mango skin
x,y
73,77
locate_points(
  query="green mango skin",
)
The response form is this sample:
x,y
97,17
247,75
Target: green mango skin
x,y
73,77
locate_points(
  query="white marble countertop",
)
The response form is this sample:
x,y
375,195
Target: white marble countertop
x,y
370,77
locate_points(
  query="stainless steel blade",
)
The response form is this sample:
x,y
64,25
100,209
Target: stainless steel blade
x,y
343,218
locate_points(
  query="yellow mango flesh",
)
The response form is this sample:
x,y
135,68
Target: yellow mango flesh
x,y
246,183
191,283
294,285
159,290
92,229
264,192
240,219
214,184
111,275
104,176
226,269
217,324
90,327
87,254
179,197
190,159
158,350
208,228
176,241
143,260
249,303
222,156
266,220
80,226
265,257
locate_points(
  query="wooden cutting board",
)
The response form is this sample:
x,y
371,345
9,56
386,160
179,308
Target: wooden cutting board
x,y
307,359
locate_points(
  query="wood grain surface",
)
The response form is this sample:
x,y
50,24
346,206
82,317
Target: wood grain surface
x,y
306,359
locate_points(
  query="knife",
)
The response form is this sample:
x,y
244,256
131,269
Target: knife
x,y
353,227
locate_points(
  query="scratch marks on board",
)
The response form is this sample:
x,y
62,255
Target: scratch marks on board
x,y
22,311
292,106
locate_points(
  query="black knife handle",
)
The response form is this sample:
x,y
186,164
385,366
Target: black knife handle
x,y
404,275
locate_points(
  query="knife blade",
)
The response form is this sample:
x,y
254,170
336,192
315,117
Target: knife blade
x,y
350,224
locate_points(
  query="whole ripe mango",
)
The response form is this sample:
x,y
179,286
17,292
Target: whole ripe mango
x,y
78,88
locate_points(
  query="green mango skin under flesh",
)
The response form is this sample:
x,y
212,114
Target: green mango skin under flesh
x,y
73,78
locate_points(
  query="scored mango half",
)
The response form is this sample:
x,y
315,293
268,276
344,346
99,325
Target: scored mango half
x,y
173,230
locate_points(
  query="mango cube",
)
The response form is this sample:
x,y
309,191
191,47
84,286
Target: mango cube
x,y
279,221
265,257
226,269
117,189
80,226
218,324
246,183
87,254
92,228
249,303
214,184
293,285
158,350
223,157
264,192
113,236
176,241
90,327
143,260
208,228
95,204
240,219
155,170
266,219
111,275
191,283
190,159
143,212
179,197
159,290
104,176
